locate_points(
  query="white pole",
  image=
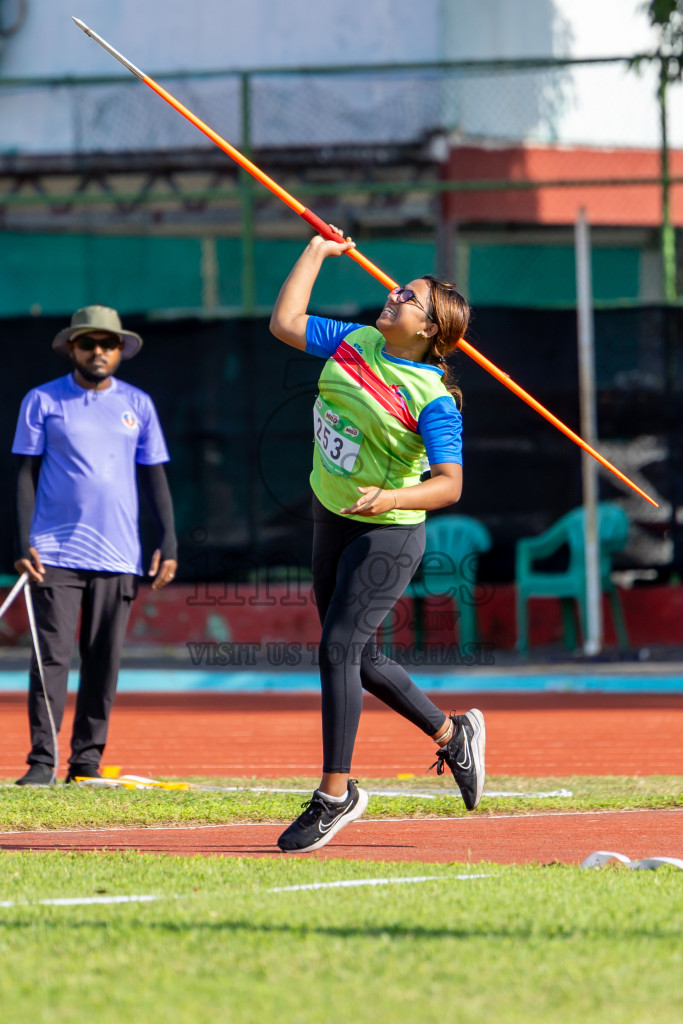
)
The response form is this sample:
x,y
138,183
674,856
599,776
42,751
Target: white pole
x,y
16,589
589,470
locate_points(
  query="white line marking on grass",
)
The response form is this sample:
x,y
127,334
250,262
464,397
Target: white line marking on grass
x,y
493,793
565,814
517,817
535,796
79,901
407,794
86,901
373,881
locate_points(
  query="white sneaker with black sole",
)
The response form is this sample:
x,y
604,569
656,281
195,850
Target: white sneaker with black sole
x,y
465,756
321,820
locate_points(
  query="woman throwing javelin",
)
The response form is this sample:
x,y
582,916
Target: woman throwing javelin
x,y
385,403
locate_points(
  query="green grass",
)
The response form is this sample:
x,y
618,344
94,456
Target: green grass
x,y
64,807
524,945
539,945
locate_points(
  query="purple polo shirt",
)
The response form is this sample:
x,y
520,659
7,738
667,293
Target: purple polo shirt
x,y
86,511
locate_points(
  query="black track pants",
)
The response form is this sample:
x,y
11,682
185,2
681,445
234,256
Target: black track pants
x,y
360,570
103,599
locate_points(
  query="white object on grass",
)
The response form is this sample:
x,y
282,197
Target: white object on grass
x,y
596,860
350,883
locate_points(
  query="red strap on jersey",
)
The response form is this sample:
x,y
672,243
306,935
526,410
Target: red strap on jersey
x,y
388,395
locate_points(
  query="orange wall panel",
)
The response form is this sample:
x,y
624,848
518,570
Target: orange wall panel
x,y
617,205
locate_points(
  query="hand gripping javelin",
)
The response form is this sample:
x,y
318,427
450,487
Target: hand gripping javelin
x,y
326,231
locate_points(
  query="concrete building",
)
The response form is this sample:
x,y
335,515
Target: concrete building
x,y
96,172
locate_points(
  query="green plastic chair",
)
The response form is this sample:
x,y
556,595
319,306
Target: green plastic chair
x,y
448,569
570,586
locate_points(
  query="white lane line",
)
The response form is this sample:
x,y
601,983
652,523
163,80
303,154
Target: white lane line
x,y
79,901
405,793
373,881
482,818
392,793
85,901
559,814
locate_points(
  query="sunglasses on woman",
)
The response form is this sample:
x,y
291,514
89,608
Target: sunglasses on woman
x,y
401,295
87,344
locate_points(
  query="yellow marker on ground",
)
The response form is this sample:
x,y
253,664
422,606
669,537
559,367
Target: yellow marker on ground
x,y
129,781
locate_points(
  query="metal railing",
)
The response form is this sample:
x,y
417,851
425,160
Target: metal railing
x,y
422,106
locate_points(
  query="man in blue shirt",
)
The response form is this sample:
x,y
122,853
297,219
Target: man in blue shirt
x,y
82,441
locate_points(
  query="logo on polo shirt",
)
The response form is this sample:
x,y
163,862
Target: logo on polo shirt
x,y
129,420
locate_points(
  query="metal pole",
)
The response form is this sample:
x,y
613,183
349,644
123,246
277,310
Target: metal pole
x,y
592,641
668,238
248,241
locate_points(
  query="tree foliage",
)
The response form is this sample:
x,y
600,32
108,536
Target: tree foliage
x,y
667,15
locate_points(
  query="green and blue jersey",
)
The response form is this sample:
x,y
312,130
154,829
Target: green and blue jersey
x,y
378,420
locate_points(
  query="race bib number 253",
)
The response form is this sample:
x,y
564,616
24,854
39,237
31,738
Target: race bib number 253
x,y
338,441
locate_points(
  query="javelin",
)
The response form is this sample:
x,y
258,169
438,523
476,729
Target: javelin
x,y
327,232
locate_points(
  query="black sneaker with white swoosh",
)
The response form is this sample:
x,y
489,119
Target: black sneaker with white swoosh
x,y
464,755
321,820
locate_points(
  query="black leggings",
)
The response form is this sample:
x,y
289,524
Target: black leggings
x,y
103,600
360,570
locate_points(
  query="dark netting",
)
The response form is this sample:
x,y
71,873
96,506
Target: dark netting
x,y
236,408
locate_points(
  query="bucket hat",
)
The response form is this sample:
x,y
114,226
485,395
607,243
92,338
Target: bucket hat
x,y
97,318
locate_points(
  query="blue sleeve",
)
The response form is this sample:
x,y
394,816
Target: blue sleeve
x,y
151,449
440,424
29,438
323,336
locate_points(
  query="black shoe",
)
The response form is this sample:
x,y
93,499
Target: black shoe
x,y
82,771
38,775
321,820
464,755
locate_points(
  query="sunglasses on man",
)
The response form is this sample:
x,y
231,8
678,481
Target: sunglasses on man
x,y
401,295
88,344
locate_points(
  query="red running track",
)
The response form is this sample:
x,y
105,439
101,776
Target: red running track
x,y
529,735
223,735
533,838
